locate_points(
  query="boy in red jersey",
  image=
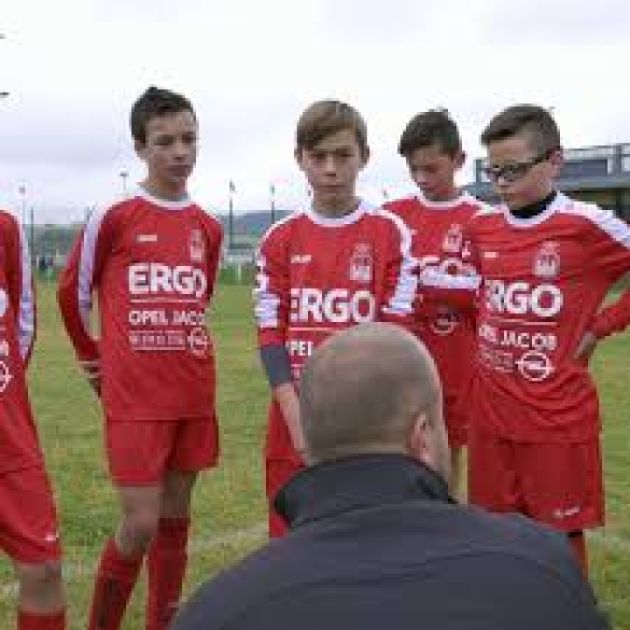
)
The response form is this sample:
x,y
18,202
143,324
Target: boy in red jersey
x,y
321,270
153,260
28,528
547,262
437,216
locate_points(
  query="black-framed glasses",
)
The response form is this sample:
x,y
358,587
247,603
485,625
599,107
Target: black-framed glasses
x,y
513,171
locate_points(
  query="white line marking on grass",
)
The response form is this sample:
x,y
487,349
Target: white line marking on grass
x,y
74,571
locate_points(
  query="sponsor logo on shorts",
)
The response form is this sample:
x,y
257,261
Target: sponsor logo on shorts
x,y
147,238
562,513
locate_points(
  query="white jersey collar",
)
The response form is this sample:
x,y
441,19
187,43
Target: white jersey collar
x,y
167,204
463,197
347,219
559,201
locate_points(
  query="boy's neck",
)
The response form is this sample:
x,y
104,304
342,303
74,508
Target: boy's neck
x,y
163,191
534,209
450,194
337,208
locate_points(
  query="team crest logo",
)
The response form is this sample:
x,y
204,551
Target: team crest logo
x,y
361,263
453,239
547,261
197,246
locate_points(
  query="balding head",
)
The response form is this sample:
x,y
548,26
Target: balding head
x,y
373,389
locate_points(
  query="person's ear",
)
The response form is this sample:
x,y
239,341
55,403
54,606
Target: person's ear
x,y
556,159
365,156
139,148
417,440
298,154
460,158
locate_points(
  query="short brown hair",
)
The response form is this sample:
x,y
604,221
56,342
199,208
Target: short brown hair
x,y
531,119
433,127
324,118
152,103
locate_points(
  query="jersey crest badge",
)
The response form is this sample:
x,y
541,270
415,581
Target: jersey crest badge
x,y
361,262
197,246
547,260
453,239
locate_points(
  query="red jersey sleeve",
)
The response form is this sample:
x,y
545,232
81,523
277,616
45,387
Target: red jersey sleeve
x,y
19,284
214,232
610,253
78,281
271,292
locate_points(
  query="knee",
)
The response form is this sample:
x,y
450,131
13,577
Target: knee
x,y
40,576
138,530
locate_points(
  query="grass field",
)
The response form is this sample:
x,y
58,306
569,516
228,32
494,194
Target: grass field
x,y
229,505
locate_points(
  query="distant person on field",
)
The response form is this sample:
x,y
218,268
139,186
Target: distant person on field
x,y
152,259
29,529
326,267
375,542
546,263
437,215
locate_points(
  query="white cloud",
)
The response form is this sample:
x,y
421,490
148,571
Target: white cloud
x,y
74,67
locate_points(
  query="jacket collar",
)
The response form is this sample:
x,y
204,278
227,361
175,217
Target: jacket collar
x,y
361,481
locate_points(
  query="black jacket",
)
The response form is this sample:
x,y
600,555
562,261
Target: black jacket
x,y
376,544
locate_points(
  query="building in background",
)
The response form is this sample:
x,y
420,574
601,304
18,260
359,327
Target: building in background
x,y
598,174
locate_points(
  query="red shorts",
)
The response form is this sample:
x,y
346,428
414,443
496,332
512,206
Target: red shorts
x,y
555,483
29,530
140,453
277,473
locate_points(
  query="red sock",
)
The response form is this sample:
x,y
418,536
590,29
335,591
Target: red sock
x,y
37,621
167,565
578,544
115,579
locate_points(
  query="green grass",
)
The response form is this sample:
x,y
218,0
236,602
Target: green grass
x,y
229,507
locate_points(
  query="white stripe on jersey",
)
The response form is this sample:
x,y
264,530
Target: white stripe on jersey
x,y
26,309
266,303
401,302
86,267
605,220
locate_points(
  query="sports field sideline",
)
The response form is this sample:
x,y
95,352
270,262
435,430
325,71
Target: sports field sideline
x,y
229,504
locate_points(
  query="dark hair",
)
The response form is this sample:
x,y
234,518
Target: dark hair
x,y
430,128
531,119
155,102
324,118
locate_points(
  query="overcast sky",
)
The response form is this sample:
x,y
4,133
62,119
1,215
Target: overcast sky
x,y
74,67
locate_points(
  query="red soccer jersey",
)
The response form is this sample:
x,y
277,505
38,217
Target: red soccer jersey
x,y
153,264
317,276
19,446
544,280
438,237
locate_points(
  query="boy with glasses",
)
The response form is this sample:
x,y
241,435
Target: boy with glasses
x,y
546,263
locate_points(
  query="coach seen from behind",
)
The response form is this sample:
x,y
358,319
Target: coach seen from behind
x,y
375,540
